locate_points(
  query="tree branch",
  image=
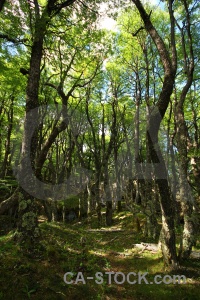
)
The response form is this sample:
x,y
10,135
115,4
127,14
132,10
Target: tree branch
x,y
9,203
134,34
12,40
57,8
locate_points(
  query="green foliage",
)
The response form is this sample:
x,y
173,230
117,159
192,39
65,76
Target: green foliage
x,y
91,80
70,202
28,291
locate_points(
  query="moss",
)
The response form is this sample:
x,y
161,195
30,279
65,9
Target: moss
x,y
28,220
28,201
59,251
70,202
36,232
20,195
22,205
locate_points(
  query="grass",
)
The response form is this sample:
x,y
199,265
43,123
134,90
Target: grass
x,y
39,274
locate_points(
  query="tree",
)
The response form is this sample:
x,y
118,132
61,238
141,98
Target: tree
x,y
27,226
155,118
186,197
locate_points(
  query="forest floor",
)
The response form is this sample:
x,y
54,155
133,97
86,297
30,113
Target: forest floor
x,y
76,247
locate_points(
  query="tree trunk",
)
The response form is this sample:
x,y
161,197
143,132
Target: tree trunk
x,y
187,201
195,163
97,200
28,224
108,197
7,149
156,116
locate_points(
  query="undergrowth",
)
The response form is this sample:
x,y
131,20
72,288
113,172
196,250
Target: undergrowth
x,y
76,247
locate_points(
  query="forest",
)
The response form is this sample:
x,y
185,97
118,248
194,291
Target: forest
x,y
99,149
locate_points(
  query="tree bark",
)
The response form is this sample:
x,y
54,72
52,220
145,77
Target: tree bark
x,y
156,116
7,148
28,223
187,201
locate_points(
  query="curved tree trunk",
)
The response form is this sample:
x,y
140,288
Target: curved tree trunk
x,y
156,116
